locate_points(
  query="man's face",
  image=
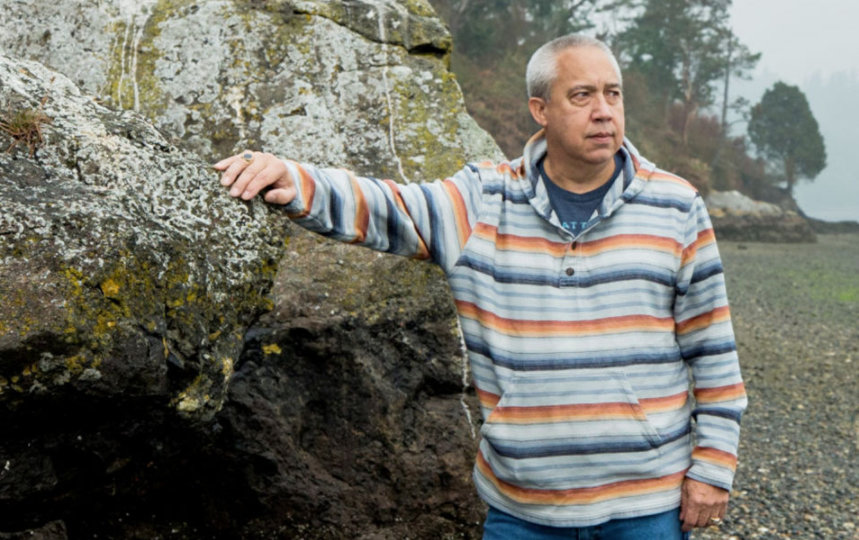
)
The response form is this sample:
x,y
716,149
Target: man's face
x,y
584,116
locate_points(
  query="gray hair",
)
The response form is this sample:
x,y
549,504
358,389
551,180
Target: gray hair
x,y
543,66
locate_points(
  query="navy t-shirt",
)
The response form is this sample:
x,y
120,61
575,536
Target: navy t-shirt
x,y
575,209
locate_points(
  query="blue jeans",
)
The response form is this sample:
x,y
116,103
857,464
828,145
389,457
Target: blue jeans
x,y
664,526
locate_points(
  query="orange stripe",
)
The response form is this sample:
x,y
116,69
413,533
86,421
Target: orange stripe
x,y
720,393
487,399
463,229
512,242
423,251
557,249
362,213
505,168
566,413
663,404
660,176
715,316
712,455
524,328
520,170
588,495
705,238
308,191
632,241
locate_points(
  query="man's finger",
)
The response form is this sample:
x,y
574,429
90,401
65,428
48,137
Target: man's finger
x,y
226,162
246,176
690,518
280,196
264,178
232,167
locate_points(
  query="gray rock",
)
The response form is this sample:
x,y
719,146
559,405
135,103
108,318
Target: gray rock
x,y
734,202
362,84
738,217
116,260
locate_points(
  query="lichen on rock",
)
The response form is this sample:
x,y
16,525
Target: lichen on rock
x,y
131,285
113,238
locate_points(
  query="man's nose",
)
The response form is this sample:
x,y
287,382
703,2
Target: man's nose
x,y
601,109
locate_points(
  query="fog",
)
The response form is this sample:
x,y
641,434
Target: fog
x,y
812,45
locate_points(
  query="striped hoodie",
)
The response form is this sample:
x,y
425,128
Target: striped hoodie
x,y
583,349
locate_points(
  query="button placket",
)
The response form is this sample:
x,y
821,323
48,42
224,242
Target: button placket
x,y
568,268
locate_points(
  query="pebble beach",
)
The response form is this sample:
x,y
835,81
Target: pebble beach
x,y
795,309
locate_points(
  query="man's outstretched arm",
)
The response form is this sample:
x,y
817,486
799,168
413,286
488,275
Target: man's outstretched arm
x,y
426,221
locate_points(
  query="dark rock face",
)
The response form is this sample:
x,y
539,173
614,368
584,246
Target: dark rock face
x,y
352,429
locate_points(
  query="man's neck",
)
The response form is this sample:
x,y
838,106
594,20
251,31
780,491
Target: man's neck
x,y
579,178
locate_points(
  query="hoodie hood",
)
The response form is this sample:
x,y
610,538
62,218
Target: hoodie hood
x,y
637,170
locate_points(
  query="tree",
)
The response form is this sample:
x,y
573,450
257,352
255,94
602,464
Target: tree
x,y
683,48
488,30
786,134
493,40
738,61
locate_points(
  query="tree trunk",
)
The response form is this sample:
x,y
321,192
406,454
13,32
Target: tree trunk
x,y
790,174
727,82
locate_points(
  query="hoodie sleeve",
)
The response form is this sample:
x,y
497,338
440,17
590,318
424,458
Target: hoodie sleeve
x,y
706,340
424,221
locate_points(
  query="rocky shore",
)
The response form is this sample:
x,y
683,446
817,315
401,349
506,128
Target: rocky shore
x,y
795,308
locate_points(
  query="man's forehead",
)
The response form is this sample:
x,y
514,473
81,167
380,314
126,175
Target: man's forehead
x,y
585,63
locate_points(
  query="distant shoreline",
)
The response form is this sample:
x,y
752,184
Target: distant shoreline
x,y
833,227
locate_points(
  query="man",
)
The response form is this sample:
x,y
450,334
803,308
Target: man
x,y
589,287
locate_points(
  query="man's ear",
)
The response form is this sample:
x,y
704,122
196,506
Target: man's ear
x,y
537,106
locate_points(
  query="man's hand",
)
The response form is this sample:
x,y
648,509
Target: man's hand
x,y
250,172
700,503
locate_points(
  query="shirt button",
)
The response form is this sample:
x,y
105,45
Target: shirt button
x,y
573,245
570,271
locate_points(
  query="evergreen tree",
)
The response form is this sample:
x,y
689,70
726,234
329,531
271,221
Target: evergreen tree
x,y
786,134
683,48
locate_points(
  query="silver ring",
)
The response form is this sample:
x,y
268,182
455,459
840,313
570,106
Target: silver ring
x,y
715,521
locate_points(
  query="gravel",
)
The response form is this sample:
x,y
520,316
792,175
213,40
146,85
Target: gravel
x,y
795,309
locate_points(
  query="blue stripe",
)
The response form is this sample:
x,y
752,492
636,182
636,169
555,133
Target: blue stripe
x,y
392,221
517,363
706,271
709,349
716,411
519,451
522,278
334,208
517,197
437,242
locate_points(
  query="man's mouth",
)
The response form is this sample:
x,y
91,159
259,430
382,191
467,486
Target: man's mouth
x,y
602,136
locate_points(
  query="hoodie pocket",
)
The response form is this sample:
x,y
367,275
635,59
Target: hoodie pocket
x,y
580,417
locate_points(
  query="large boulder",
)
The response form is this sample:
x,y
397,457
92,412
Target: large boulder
x,y
142,393
361,83
738,217
128,280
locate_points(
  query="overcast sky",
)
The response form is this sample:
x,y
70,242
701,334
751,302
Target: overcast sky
x,y
813,44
